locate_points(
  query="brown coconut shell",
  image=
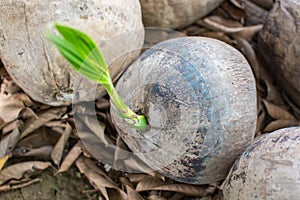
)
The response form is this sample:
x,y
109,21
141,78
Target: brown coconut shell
x,y
268,169
199,97
279,44
36,65
175,14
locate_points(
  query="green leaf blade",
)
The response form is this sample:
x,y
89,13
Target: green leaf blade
x,y
82,42
81,52
67,50
86,58
86,45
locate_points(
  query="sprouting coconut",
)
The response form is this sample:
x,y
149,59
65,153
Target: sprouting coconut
x,y
192,103
268,169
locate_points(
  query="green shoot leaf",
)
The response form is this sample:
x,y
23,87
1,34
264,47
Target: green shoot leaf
x,y
86,58
82,52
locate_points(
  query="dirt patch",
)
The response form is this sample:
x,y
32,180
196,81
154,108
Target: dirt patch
x,y
64,186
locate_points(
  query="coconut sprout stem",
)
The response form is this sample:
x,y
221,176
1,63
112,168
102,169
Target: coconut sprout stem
x,y
137,121
84,55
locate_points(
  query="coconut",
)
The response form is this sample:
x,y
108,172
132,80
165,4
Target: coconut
x,y
268,169
175,14
279,43
199,97
39,69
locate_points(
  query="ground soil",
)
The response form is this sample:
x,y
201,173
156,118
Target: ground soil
x,y
64,186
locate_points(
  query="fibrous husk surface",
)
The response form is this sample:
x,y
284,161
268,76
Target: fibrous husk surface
x,y
199,97
35,64
175,14
280,46
268,169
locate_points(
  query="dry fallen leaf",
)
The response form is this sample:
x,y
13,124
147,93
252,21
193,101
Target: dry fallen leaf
x,y
39,138
101,182
57,152
295,109
132,194
134,178
178,196
234,11
277,112
8,127
138,177
7,145
24,98
9,142
17,171
125,181
193,30
273,93
125,159
147,184
219,36
92,166
10,107
43,152
216,23
95,126
228,23
191,190
260,122
27,113
3,160
9,87
70,158
237,3
34,123
279,124
57,123
97,148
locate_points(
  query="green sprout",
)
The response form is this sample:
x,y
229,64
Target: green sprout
x,y
84,55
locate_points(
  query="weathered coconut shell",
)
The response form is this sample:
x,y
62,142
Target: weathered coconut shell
x,y
36,65
279,43
175,13
268,169
198,95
